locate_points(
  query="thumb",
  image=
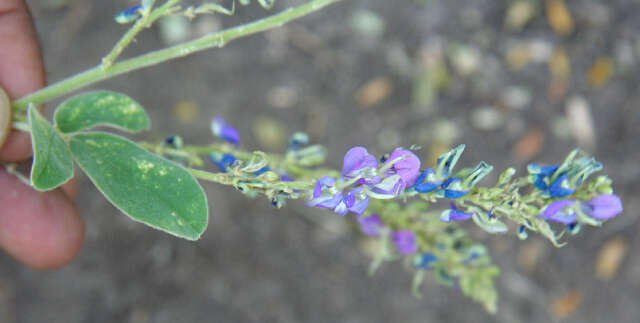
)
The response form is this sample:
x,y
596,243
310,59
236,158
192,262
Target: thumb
x,y
5,116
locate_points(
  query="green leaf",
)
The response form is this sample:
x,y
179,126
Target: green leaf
x,y
145,187
52,162
101,108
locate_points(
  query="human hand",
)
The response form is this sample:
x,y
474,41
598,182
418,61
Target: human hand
x,y
40,229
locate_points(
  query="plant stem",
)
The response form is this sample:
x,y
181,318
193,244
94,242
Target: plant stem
x,y
139,25
217,39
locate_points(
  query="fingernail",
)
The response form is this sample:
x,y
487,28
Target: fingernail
x,y
5,116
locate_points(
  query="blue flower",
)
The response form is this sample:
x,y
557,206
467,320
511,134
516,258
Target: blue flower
x,y
129,15
560,187
175,142
298,139
224,131
541,178
261,170
453,214
452,188
425,261
427,182
522,232
562,180
222,161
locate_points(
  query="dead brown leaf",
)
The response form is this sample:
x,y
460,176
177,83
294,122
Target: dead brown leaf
x,y
600,72
374,92
529,145
610,257
566,305
559,17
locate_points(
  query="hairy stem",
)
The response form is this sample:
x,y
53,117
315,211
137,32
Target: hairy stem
x,y
217,39
130,35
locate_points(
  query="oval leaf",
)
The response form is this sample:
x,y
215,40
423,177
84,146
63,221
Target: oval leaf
x,y
101,108
52,162
144,186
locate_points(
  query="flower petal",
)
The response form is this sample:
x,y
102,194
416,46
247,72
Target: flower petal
x,y
356,160
405,241
408,168
559,211
604,206
370,225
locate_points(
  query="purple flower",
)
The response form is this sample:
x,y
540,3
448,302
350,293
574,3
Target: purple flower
x,y
388,188
355,201
405,241
603,207
408,168
325,195
560,211
224,131
370,225
357,161
454,214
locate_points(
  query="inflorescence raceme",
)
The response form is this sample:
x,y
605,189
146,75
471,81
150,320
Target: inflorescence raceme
x,y
378,192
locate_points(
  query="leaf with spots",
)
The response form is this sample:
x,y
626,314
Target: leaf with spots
x,y
101,108
144,186
52,161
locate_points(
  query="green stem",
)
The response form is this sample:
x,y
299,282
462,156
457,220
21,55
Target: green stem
x,y
144,22
217,39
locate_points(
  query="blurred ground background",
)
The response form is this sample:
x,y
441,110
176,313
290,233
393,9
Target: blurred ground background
x,y
516,81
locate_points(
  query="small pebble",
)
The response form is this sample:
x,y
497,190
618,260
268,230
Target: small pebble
x,y
519,14
579,116
487,118
540,51
465,59
282,97
515,97
368,23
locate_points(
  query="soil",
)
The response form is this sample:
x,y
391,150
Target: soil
x,y
259,264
